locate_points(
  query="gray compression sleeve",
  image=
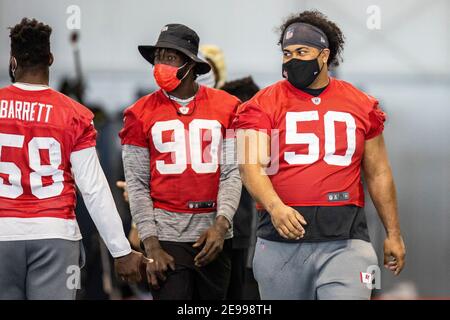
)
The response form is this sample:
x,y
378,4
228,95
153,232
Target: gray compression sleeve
x,y
230,182
136,163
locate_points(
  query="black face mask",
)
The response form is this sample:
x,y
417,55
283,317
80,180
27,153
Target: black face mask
x,y
301,73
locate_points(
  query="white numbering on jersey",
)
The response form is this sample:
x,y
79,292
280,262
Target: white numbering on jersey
x,y
195,139
54,151
330,118
15,189
178,145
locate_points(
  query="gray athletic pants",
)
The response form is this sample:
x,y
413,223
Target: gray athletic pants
x,y
40,269
313,270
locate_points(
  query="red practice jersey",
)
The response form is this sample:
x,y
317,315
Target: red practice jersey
x,y
38,132
317,142
184,145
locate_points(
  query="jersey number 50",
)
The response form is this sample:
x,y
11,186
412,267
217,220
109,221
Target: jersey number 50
x,y
312,140
14,189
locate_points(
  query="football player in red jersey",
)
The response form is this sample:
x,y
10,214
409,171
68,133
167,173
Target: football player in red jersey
x,y
182,196
313,241
47,145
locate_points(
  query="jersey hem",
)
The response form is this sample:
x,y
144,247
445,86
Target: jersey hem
x,y
227,237
314,204
39,237
268,238
187,211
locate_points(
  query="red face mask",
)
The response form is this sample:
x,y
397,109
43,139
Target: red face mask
x,y
166,76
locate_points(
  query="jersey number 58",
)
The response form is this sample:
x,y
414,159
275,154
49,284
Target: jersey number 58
x,y
14,189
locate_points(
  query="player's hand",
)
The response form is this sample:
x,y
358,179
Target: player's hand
x,y
212,241
394,253
288,222
123,185
128,267
159,262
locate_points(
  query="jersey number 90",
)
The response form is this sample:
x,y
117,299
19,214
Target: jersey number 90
x,y
178,145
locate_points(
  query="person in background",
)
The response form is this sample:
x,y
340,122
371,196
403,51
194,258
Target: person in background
x,y
242,283
97,279
217,76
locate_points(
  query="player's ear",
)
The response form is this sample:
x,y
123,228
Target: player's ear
x,y
50,62
325,55
13,63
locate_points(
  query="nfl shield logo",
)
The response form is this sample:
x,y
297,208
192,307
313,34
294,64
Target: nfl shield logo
x,y
289,34
316,100
184,110
365,277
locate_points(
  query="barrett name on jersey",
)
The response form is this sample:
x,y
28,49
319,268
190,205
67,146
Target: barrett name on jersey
x,y
39,131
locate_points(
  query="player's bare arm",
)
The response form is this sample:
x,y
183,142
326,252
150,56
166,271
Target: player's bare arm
x,y
380,182
286,220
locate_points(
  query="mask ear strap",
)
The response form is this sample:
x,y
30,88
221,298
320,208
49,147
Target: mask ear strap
x,y
185,75
323,63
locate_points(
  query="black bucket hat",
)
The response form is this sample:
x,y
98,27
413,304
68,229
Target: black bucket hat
x,y
181,38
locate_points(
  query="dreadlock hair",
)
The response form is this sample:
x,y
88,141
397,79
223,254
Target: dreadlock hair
x,y
30,43
335,36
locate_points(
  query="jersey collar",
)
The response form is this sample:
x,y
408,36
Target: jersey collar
x,y
307,96
30,87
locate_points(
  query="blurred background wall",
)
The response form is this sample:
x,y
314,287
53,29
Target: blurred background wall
x,y
405,64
